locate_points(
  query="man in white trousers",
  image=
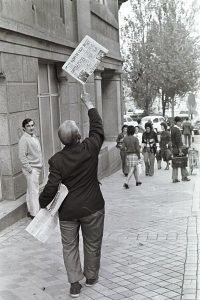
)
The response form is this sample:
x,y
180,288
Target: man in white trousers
x,y
30,155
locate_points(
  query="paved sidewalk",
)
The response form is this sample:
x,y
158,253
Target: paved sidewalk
x,y
150,249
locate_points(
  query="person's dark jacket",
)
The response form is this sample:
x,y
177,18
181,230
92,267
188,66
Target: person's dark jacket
x,y
131,145
76,167
176,139
187,128
150,140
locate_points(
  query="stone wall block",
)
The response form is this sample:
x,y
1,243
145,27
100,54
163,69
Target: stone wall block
x,y
15,159
4,136
19,185
30,97
15,126
75,113
19,10
12,66
8,188
15,97
73,92
3,99
5,160
30,69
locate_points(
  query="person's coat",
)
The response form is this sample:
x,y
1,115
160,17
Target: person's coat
x,y
76,167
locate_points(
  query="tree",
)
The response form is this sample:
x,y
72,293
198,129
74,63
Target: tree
x,y
162,56
191,104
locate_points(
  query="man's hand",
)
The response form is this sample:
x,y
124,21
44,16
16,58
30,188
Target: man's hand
x,y
85,97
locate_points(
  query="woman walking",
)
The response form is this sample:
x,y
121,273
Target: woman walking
x,y
119,142
132,149
149,144
165,146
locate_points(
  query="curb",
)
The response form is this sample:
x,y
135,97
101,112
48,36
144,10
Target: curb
x,y
13,216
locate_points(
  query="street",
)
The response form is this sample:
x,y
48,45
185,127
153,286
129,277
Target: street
x,y
150,247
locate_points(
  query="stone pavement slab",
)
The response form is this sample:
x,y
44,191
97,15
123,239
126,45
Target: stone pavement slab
x,y
150,248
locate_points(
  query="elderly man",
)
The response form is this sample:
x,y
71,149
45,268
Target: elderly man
x,y
176,139
30,155
76,167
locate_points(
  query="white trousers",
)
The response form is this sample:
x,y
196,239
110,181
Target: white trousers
x,y
32,193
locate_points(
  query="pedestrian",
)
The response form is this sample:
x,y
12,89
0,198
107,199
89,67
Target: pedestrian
x,y
187,131
119,142
76,167
176,138
165,146
138,135
149,145
30,156
132,149
140,127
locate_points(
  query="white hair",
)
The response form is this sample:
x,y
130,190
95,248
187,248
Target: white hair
x,y
68,132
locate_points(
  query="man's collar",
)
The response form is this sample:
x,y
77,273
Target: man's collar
x,y
29,135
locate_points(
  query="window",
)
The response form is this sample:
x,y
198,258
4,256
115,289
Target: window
x,y
155,120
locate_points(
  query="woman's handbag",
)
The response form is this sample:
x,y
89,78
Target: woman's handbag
x,y
167,155
158,155
45,222
179,161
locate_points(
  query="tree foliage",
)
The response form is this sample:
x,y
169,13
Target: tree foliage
x,y
160,53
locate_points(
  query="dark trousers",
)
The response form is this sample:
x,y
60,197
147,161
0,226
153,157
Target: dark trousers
x,y
149,159
184,173
92,232
125,168
187,138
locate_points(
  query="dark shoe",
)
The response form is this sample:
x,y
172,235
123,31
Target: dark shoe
x,y
75,289
138,183
167,168
159,168
91,282
29,215
147,174
185,179
175,180
126,186
125,175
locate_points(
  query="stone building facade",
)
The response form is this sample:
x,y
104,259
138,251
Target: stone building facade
x,y
36,38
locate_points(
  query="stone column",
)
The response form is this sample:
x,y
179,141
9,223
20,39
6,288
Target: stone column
x,y
98,90
111,93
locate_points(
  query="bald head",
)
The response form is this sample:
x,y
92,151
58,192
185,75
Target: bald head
x,y
68,132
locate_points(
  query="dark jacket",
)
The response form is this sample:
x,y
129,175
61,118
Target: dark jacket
x,y
187,128
150,141
176,139
76,167
165,140
131,145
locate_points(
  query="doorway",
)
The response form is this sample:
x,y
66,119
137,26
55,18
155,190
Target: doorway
x,y
49,108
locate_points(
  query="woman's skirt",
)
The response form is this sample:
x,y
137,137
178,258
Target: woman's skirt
x,y
131,160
